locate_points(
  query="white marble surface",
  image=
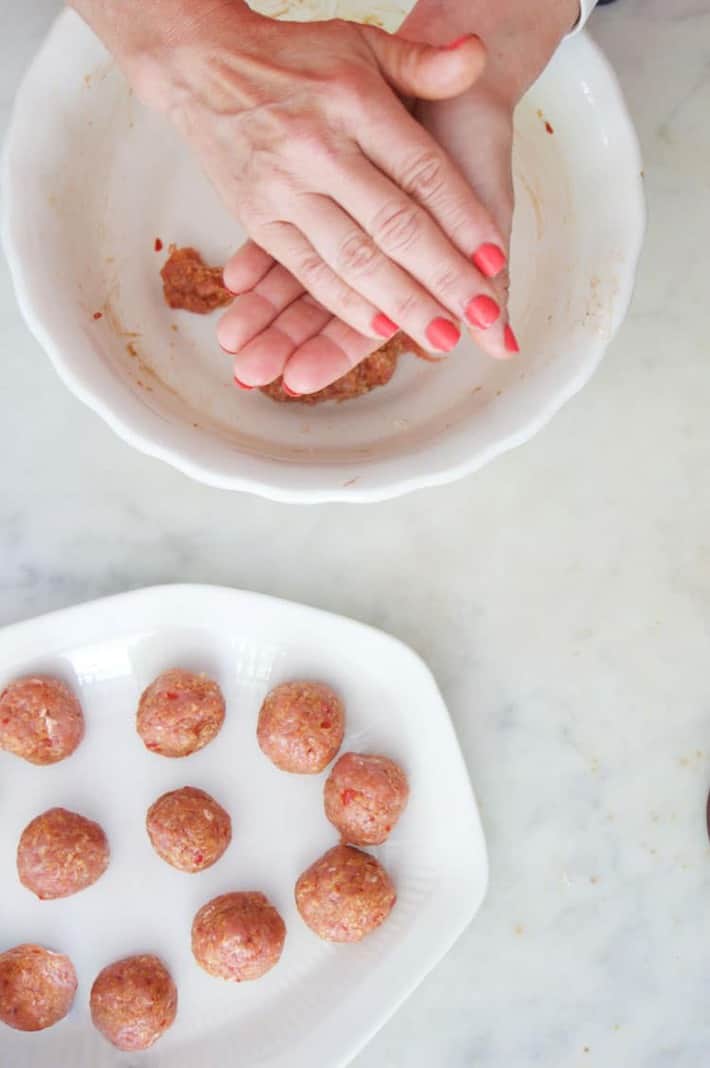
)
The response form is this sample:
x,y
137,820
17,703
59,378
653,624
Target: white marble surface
x,y
561,596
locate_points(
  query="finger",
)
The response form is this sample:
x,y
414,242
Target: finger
x,y
424,71
289,246
246,267
334,351
409,237
263,359
355,257
460,126
252,312
403,150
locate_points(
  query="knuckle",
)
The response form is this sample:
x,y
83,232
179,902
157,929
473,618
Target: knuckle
x,y
423,176
311,269
347,300
352,85
357,254
305,138
405,308
446,282
397,226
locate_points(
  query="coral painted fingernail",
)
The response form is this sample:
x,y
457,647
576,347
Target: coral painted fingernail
x,y
443,334
289,392
242,385
384,326
482,312
460,41
511,341
489,259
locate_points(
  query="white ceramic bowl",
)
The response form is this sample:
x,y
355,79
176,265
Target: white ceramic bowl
x,y
91,179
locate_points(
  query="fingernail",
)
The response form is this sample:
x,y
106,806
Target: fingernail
x,y
460,41
482,312
511,341
443,334
227,352
489,259
242,385
289,392
384,326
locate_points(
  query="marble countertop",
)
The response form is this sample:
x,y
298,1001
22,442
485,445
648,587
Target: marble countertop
x,y
561,597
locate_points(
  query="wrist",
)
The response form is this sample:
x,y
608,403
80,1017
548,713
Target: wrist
x,y
155,42
520,36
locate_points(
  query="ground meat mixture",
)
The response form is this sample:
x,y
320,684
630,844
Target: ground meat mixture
x,y
188,282
179,713
238,936
133,1002
345,895
40,720
37,987
60,853
188,829
190,285
375,370
364,796
301,726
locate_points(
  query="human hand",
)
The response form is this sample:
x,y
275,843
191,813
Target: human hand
x,y
301,132
278,329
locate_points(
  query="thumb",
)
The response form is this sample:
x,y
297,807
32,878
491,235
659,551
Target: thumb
x,y
424,71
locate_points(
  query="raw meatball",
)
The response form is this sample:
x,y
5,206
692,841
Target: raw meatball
x,y
60,853
238,936
364,797
188,829
301,726
133,1001
345,895
180,713
40,720
37,987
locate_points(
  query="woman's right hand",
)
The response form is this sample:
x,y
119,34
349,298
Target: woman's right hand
x,y
301,130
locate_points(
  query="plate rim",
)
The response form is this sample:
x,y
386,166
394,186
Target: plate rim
x,y
380,483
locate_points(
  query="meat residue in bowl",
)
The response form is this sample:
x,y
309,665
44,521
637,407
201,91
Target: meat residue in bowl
x,y
188,282
191,285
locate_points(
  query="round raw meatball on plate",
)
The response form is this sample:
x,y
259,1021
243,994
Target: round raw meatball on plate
x,y
133,1002
188,829
364,796
179,713
37,987
60,853
238,936
40,720
345,895
301,726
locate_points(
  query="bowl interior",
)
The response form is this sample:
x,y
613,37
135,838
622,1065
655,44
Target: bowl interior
x,y
96,178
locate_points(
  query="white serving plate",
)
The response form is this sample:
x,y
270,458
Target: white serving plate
x,y
91,179
322,1002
